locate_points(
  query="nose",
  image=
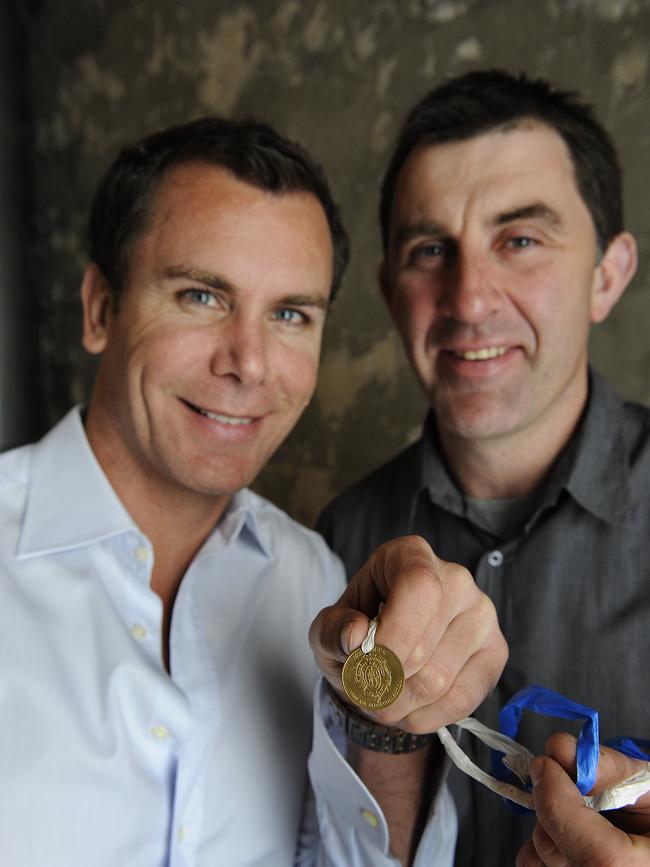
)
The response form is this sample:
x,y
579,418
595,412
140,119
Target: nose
x,y
240,350
470,291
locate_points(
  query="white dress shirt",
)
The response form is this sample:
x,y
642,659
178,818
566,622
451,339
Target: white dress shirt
x,y
108,761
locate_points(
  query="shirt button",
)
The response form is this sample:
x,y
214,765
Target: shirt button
x,y
160,732
370,818
495,558
182,833
142,553
138,631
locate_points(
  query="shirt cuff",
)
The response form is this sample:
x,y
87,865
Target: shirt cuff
x,y
351,822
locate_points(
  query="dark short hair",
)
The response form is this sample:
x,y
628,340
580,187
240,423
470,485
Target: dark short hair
x,y
251,151
481,101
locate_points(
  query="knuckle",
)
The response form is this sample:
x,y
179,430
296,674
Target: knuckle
x,y
420,545
499,654
399,635
461,701
544,845
415,546
418,656
432,682
486,611
455,574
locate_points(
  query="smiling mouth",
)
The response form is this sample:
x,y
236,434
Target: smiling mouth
x,y
232,420
485,353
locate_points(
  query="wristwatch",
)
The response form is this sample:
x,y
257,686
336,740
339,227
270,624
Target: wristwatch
x,y
372,736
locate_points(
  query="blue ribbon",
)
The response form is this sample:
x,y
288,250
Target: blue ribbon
x,y
544,701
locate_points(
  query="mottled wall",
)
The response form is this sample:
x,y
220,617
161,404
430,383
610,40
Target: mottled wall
x,y
338,76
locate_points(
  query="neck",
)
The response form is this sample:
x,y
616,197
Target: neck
x,y
492,471
509,466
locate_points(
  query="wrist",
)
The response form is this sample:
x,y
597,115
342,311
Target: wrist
x,y
370,735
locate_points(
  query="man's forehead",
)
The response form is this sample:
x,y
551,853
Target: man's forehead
x,y
215,186
195,179
510,166
204,223
200,190
518,144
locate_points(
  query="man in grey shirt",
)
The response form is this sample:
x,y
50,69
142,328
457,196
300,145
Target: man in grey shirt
x,y
503,235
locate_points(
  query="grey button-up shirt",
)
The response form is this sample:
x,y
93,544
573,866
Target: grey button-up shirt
x,y
571,588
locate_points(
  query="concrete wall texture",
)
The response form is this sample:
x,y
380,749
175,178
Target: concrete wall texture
x,y
337,76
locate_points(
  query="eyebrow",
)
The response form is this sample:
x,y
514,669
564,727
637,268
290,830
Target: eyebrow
x,y
215,281
198,276
306,301
534,211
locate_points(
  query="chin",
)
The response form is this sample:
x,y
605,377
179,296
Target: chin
x,y
476,424
206,481
475,413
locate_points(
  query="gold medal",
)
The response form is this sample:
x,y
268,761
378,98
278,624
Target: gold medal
x,y
372,680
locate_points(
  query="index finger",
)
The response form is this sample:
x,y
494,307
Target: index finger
x,y
404,575
613,766
423,601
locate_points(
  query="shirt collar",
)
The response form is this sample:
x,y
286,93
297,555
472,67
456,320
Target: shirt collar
x,y
240,523
597,475
592,468
70,502
442,487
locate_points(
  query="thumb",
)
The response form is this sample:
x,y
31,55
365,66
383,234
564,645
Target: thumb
x,y
334,634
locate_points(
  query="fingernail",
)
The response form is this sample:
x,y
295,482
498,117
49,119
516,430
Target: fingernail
x,y
536,770
345,638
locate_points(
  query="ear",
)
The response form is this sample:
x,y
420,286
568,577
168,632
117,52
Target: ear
x,y
97,301
613,273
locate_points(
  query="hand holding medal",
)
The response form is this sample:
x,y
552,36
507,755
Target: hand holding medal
x,y
439,650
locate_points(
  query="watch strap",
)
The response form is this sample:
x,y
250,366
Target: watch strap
x,y
371,735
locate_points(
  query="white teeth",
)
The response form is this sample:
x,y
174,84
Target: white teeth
x,y
225,419
482,354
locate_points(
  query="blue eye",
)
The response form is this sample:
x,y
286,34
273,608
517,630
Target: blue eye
x,y
290,316
202,297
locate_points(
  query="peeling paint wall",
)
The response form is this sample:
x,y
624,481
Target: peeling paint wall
x,y
337,76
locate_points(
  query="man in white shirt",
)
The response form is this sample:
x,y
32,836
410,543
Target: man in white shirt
x,y
157,677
